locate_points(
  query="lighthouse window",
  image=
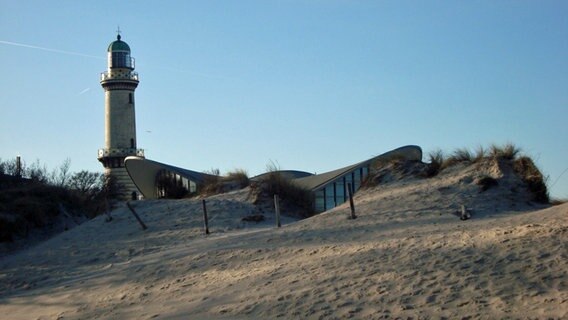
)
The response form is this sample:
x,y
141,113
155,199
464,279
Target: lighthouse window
x,y
130,98
120,60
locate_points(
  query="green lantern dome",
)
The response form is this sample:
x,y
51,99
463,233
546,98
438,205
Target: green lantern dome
x,y
118,45
119,55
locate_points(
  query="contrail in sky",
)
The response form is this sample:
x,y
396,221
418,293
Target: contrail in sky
x,y
48,49
16,44
84,91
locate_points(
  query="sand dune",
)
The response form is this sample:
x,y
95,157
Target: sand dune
x,y
406,256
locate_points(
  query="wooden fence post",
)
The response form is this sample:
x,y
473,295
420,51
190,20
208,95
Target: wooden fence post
x,y
107,211
351,204
205,219
136,216
277,208
464,213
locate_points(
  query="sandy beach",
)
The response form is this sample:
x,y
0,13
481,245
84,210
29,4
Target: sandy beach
x,y
407,255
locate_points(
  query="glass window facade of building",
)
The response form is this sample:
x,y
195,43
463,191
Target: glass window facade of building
x,y
335,193
172,185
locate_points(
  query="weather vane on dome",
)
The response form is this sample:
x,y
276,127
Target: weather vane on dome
x,y
118,32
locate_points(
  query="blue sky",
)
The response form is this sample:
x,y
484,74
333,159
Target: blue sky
x,y
311,85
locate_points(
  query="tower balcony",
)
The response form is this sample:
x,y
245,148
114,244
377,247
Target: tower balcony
x,y
119,76
119,153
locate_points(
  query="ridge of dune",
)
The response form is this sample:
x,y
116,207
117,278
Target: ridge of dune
x,y
406,255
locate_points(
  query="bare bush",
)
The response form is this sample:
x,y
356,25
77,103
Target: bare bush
x,y
60,176
37,173
38,199
87,183
10,167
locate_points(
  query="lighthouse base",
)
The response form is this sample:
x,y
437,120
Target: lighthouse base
x,y
124,188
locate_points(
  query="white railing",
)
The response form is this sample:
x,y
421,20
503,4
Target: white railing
x,y
120,152
110,76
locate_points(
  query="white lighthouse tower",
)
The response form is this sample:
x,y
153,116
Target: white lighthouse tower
x,y
119,83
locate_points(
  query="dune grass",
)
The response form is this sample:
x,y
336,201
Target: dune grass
x,y
439,161
214,183
436,159
274,183
531,175
523,165
505,152
239,177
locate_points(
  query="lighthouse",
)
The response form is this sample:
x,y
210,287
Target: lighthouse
x,y
119,83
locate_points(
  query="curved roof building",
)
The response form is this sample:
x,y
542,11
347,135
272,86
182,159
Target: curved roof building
x,y
330,189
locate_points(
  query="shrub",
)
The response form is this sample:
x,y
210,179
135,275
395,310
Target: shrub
x,y
12,225
38,199
37,173
35,210
87,183
36,206
10,167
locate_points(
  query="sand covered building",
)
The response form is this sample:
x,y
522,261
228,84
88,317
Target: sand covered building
x,y
329,189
